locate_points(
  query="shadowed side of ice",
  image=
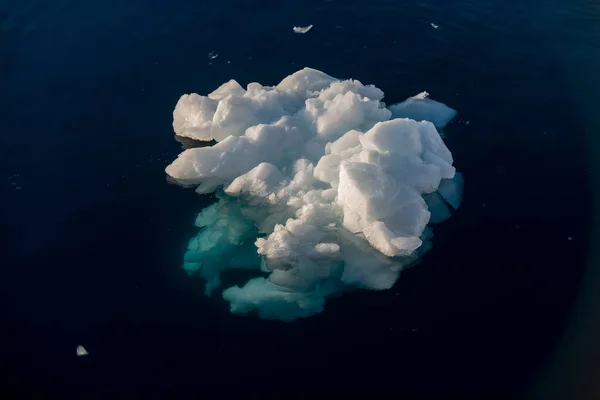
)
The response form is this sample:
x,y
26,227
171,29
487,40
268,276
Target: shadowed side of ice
x,y
422,108
319,190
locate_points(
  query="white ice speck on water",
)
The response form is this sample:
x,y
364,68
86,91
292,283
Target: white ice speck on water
x,y
302,29
569,238
212,55
434,26
81,351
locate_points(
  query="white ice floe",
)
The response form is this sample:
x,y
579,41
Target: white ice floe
x,y
320,188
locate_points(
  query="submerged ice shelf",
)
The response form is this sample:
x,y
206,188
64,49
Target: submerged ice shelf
x,y
320,188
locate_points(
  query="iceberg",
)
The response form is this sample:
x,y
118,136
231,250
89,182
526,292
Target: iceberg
x,y
320,189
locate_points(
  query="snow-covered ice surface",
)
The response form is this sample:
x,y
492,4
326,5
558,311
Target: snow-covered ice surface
x,y
320,188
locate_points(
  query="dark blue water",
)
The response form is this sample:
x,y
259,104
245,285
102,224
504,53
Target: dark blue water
x,y
92,233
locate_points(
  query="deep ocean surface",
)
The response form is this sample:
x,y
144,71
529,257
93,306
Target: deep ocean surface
x,y
93,234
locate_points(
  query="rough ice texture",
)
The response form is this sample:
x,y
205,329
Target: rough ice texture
x,y
318,190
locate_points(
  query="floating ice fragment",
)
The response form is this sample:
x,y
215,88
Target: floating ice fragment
x,y
434,25
81,351
318,190
301,29
212,55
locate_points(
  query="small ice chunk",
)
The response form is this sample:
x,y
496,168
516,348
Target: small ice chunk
x,y
212,55
569,238
81,351
302,29
434,26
